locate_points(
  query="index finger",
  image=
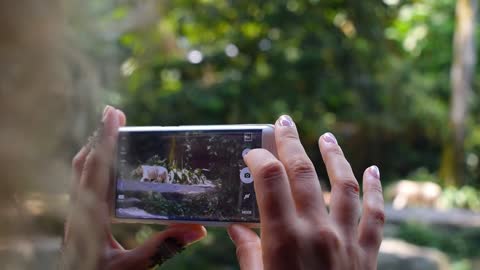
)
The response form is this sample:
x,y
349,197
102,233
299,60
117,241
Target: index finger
x,y
272,189
304,183
96,172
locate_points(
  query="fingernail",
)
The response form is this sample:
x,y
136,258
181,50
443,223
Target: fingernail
x,y
169,248
285,121
121,119
110,122
105,112
374,171
106,109
191,237
233,232
329,138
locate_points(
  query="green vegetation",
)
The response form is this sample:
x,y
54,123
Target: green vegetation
x,y
465,197
176,175
456,243
202,205
376,75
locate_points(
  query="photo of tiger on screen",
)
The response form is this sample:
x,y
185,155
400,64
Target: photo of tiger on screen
x,y
157,170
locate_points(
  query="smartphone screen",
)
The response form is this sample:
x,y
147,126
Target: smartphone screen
x,y
186,175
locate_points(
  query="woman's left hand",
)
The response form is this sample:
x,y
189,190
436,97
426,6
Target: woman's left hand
x,y
89,243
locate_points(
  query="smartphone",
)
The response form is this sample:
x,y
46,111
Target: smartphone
x,y
188,174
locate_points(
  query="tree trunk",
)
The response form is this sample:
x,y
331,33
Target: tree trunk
x,y
463,66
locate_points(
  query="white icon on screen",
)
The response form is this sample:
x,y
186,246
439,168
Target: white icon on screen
x,y
246,176
247,137
121,197
247,196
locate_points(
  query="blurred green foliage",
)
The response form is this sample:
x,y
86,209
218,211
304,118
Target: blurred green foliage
x,y
376,75
456,243
214,252
464,197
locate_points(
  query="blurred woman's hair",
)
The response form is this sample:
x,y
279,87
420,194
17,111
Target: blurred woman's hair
x,y
47,96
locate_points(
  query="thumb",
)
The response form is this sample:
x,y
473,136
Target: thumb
x,y
159,248
249,249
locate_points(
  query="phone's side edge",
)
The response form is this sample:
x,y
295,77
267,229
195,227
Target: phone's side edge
x,y
268,139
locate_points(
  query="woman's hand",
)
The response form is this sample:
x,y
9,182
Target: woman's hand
x,y
297,231
89,243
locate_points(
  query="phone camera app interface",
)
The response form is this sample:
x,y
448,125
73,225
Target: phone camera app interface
x,y
186,175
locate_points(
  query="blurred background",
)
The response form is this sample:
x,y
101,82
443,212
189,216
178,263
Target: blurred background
x,y
394,80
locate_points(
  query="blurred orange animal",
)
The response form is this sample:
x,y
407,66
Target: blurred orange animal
x,y
409,193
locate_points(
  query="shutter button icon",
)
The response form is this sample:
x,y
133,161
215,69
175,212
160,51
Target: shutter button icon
x,y
246,176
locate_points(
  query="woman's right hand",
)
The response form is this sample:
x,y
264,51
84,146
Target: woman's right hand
x,y
297,230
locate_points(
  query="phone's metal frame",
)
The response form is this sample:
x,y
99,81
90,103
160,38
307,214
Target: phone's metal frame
x,y
268,143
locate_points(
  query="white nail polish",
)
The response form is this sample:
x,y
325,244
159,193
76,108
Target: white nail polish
x,y
374,171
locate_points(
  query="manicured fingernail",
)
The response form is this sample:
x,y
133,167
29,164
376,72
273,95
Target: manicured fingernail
x,y
374,171
169,248
192,236
285,121
105,112
329,138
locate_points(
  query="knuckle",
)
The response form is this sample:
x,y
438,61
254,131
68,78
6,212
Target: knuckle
x,y
301,166
327,238
284,242
93,162
348,185
352,249
377,215
281,248
335,151
372,238
375,189
94,158
271,170
289,135
289,232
